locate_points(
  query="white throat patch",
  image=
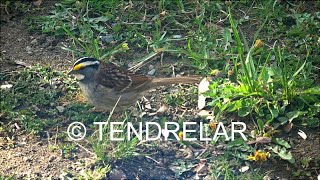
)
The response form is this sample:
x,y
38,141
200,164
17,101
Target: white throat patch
x,y
79,77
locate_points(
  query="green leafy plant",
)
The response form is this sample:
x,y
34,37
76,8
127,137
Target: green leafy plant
x,y
260,88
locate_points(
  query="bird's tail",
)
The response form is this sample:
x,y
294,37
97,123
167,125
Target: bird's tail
x,y
174,80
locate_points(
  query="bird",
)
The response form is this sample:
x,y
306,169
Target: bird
x,y
106,85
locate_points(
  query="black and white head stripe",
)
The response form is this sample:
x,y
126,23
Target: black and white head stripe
x,y
84,62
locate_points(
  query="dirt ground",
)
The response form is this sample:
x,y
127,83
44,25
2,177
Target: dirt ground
x,y
31,157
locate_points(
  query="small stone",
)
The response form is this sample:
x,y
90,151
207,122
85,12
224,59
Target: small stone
x,y
35,41
152,72
151,67
108,38
148,106
60,109
162,110
117,174
28,49
51,158
26,159
6,86
177,36
204,113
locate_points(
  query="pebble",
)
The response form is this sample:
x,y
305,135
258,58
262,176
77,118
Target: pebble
x,y
152,72
6,86
52,158
28,49
117,174
107,38
151,67
177,36
35,41
60,109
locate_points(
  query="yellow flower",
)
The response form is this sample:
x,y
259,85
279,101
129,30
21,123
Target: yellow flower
x,y
230,72
267,135
213,125
181,135
215,72
125,46
258,43
80,98
259,156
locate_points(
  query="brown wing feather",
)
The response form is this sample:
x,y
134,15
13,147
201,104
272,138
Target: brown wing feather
x,y
113,76
139,81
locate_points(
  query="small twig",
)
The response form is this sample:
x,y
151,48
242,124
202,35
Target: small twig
x,y
135,23
55,139
202,153
173,73
161,59
114,107
143,62
153,159
84,148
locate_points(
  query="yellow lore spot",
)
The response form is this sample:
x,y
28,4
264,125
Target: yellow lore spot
x,y
78,66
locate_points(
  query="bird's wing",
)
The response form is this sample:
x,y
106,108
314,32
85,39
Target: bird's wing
x,y
115,77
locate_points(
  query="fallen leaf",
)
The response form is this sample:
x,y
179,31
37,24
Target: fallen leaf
x,y
162,110
244,169
20,63
60,109
287,127
165,133
201,101
6,86
201,167
203,87
260,140
204,113
163,13
148,106
302,134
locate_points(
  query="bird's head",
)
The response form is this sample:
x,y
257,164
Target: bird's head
x,y
84,68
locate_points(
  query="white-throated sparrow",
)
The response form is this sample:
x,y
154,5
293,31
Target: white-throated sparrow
x,y
104,83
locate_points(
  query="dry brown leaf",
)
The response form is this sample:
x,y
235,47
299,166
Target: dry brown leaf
x,y
287,127
162,109
201,168
244,169
260,140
